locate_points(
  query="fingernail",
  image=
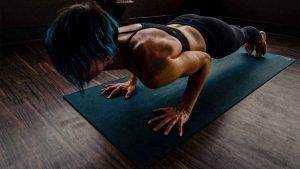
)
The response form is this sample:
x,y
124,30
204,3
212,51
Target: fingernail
x,y
166,133
148,122
180,134
154,129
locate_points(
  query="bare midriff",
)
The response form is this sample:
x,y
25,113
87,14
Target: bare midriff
x,y
194,37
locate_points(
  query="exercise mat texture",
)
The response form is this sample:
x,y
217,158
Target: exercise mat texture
x,y
124,121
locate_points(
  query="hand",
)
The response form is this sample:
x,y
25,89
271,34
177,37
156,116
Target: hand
x,y
119,87
171,116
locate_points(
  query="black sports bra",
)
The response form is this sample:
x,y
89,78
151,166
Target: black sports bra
x,y
172,31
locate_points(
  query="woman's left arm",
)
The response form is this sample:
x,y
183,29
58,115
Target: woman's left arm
x,y
196,65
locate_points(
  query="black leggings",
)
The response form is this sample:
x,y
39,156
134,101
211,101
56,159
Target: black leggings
x,y
220,38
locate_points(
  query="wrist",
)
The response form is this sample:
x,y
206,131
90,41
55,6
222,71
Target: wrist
x,y
187,102
132,79
131,82
185,107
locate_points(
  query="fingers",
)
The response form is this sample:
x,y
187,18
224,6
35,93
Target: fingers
x,y
170,126
180,127
157,118
129,92
162,123
114,92
159,109
108,85
117,87
104,90
170,117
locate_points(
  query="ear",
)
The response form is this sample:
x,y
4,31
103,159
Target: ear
x,y
108,59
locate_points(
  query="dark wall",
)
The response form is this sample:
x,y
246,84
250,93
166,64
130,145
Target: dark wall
x,y
277,16
146,8
29,13
23,21
26,20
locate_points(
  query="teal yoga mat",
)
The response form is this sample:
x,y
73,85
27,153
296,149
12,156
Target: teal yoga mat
x,y
124,122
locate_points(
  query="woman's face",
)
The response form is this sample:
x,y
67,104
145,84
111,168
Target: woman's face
x,y
96,67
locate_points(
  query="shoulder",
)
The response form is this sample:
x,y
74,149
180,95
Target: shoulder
x,y
151,45
129,28
148,56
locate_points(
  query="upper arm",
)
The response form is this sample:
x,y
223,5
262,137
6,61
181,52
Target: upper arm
x,y
160,66
185,64
191,62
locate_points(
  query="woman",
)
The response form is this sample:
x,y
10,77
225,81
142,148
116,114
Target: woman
x,y
84,40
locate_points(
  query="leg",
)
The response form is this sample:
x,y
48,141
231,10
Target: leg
x,y
222,39
233,37
229,38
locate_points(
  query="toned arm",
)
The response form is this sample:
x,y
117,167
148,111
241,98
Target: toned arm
x,y
196,82
187,64
160,66
194,64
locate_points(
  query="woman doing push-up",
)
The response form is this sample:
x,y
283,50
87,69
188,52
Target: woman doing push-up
x,y
84,40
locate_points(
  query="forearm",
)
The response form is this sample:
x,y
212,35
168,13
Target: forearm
x,y
194,86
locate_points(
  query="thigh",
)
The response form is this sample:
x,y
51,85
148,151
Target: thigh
x,y
222,38
229,39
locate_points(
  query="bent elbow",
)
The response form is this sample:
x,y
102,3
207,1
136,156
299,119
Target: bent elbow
x,y
207,58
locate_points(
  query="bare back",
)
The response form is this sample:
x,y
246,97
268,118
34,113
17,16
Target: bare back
x,y
151,48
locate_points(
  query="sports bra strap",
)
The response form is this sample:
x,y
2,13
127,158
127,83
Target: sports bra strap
x,y
172,31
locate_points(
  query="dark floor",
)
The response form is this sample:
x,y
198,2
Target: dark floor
x,y
38,129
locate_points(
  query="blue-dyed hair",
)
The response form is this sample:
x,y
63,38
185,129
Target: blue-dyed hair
x,y
80,35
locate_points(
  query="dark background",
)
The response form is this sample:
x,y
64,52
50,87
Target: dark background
x,y
24,21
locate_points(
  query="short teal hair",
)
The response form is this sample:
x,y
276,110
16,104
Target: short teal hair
x,y
81,34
